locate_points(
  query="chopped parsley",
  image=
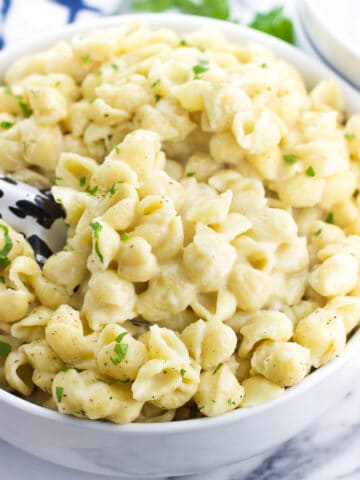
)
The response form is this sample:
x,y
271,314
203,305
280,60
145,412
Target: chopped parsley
x,y
117,149
190,174
87,59
157,97
200,68
264,65
125,236
59,393
4,261
2,279
206,8
112,189
310,172
92,191
26,110
289,159
217,368
349,135
184,43
115,66
330,218
6,125
231,402
96,228
8,90
155,84
82,181
120,349
275,23
182,372
5,348
318,232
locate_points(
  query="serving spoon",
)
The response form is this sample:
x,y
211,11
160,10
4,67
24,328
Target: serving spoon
x,y
34,213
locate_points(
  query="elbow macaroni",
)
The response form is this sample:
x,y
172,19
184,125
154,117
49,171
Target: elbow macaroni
x,y
213,254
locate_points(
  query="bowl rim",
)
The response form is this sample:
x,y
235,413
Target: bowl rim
x,y
184,23
314,10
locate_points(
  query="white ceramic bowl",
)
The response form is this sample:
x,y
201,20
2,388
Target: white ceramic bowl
x,y
333,31
197,445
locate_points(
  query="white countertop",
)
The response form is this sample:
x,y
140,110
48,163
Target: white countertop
x,y
329,450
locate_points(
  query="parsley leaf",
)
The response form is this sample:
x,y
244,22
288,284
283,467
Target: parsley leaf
x,y
120,349
206,8
349,135
2,279
217,368
5,349
182,372
8,90
290,159
6,125
114,66
87,59
124,236
92,191
82,181
310,172
4,261
26,110
157,97
330,218
276,24
97,227
200,68
155,84
120,337
117,149
318,232
190,174
59,393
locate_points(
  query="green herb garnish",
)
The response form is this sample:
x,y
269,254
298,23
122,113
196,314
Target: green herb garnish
x,y
87,59
264,65
59,393
120,349
157,97
206,8
2,279
82,181
184,43
200,68
290,159
8,90
26,110
182,372
5,348
117,149
349,135
190,174
231,402
155,84
318,232
97,227
217,368
6,125
330,218
276,24
4,261
92,191
310,172
114,66
125,236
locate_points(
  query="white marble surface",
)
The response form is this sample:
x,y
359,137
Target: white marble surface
x,y
329,450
